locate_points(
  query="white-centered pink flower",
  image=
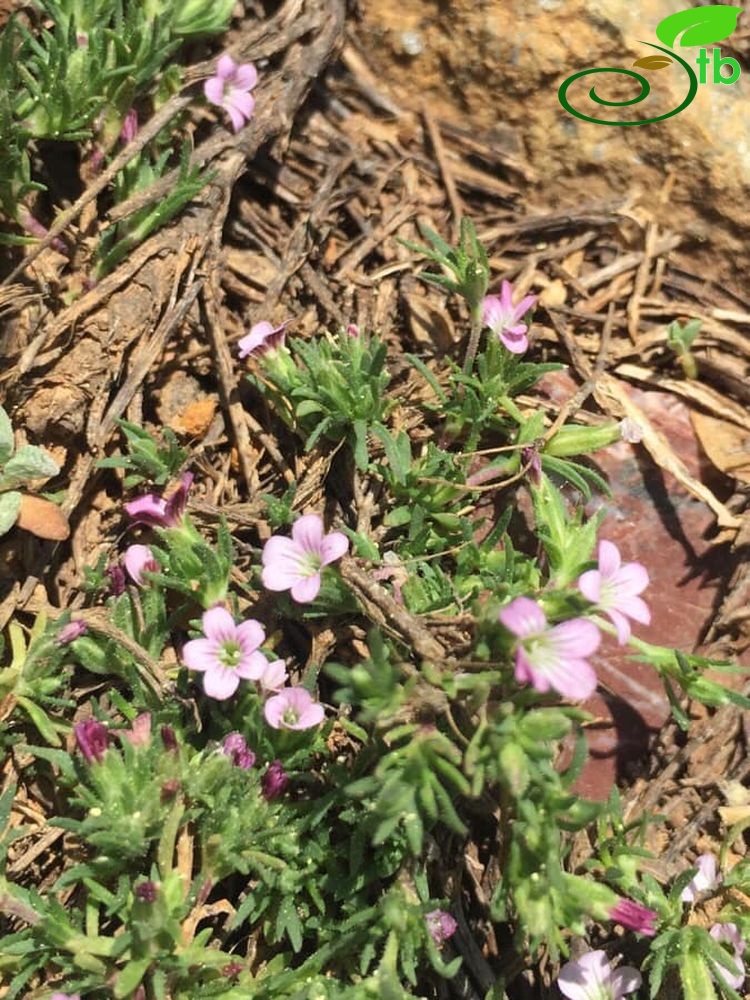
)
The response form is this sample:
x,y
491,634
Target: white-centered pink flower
x,y
552,656
505,319
229,89
139,559
591,977
263,337
228,653
293,708
615,587
731,935
706,878
295,563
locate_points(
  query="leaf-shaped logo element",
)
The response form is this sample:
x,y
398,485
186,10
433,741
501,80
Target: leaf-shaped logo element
x,y
699,25
653,62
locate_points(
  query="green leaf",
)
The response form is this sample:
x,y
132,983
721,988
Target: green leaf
x,y
6,437
30,462
10,504
699,25
131,975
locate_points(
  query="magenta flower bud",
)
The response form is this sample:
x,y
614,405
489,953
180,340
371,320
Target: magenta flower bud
x,y
274,781
235,747
146,892
232,969
157,511
530,457
262,339
634,916
441,926
140,559
168,738
70,632
92,739
352,329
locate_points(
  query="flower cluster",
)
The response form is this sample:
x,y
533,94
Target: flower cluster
x,y
556,656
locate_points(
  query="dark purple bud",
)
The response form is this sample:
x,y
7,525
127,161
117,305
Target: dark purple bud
x,y
146,892
71,632
530,457
92,739
168,738
116,575
274,781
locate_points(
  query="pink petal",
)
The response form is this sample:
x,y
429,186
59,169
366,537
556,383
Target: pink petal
x,y
220,683
523,617
590,585
274,676
251,635
274,709
609,558
246,76
149,508
621,624
526,303
506,297
516,345
256,338
575,638
199,654
574,679
632,578
241,102
625,980
492,312
235,116
577,980
312,716
307,532
213,88
306,589
334,546
525,673
219,625
635,607
252,667
225,67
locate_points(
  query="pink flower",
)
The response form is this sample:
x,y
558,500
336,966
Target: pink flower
x,y
129,128
731,934
591,977
441,926
503,318
157,511
274,781
274,677
295,563
65,996
92,738
614,588
552,656
227,653
229,89
263,337
707,878
137,559
234,746
293,708
634,916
